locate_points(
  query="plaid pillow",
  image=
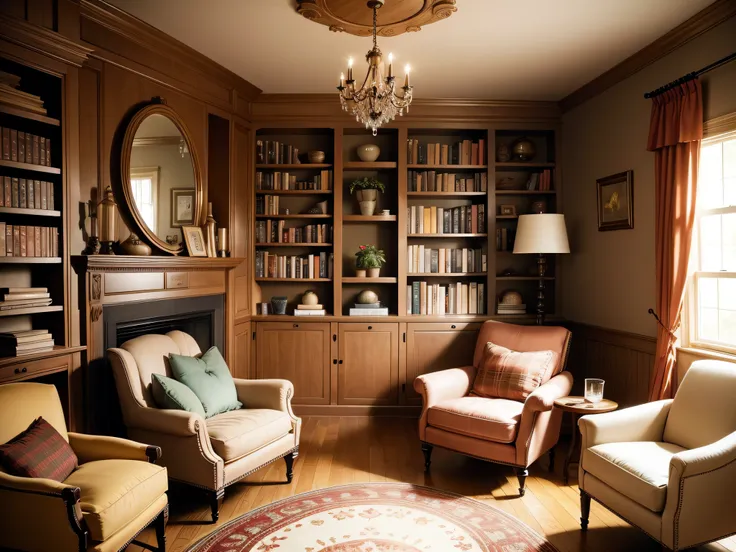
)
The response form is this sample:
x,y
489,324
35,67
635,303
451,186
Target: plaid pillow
x,y
512,375
39,451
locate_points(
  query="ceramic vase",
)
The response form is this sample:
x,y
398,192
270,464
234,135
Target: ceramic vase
x,y
374,272
368,152
316,156
278,305
367,208
134,246
360,272
366,195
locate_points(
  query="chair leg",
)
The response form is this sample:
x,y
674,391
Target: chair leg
x,y
521,475
427,450
552,460
289,459
584,509
215,498
159,525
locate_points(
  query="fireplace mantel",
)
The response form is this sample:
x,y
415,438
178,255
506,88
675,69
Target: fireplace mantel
x,y
136,263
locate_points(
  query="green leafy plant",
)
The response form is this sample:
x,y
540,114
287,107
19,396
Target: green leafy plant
x,y
369,256
367,183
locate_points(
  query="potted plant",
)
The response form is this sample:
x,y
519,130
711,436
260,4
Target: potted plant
x,y
367,189
369,259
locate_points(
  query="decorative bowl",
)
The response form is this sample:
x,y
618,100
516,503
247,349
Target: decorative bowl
x,y
368,152
511,298
310,298
316,156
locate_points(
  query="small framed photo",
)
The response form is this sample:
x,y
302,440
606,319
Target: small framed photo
x,y
616,202
507,210
194,238
182,207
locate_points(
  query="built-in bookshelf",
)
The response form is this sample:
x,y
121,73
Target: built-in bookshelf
x,y
439,221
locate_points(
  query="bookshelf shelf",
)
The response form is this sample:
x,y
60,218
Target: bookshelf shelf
x,y
289,244
31,212
445,274
295,280
293,192
29,167
507,217
379,280
9,110
369,218
525,192
294,217
31,310
448,236
448,167
523,278
30,260
447,195
524,165
58,350
294,166
368,165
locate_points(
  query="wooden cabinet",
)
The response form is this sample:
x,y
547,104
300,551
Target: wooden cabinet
x,y
298,352
436,346
368,365
240,363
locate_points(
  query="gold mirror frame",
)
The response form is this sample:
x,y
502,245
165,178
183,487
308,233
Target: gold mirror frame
x,y
156,107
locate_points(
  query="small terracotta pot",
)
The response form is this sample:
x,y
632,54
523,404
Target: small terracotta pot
x,y
366,195
374,272
360,272
367,208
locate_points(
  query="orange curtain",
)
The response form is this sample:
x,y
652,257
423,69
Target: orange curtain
x,y
675,132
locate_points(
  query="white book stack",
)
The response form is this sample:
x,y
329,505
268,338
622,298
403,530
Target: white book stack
x,y
310,310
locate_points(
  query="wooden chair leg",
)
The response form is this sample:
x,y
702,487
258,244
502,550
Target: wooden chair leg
x,y
427,450
289,459
521,475
584,509
159,526
552,460
215,498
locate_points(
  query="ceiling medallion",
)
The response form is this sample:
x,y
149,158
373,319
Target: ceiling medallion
x,y
375,102
397,17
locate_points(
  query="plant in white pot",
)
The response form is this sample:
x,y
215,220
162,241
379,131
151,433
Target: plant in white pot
x,y
366,190
369,259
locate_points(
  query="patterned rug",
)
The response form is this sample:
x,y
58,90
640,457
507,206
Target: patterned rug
x,y
375,517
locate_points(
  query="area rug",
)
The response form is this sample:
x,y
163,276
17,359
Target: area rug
x,y
375,517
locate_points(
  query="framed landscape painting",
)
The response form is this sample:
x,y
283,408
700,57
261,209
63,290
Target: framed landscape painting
x,y
616,201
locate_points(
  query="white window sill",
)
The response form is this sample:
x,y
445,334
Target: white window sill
x,y
707,354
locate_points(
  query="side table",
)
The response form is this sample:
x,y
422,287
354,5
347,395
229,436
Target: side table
x,y
577,407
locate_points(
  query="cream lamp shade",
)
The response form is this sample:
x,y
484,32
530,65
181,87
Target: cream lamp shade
x,y
542,233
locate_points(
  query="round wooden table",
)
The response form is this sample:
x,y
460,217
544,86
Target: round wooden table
x,y
577,407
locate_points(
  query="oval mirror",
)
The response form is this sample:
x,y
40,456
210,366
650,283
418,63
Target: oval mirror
x,y
160,177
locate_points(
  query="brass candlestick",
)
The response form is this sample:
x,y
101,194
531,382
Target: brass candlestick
x,y
107,211
210,227
222,245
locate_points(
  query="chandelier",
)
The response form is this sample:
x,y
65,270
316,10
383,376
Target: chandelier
x,y
376,101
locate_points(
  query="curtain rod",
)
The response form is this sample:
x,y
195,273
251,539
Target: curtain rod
x,y
690,76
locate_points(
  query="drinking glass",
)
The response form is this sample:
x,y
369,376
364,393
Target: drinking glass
x,y
594,390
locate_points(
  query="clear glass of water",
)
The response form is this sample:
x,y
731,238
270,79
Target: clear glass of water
x,y
594,390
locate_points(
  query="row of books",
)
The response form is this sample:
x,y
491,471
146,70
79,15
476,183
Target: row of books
x,y
273,152
275,231
430,181
269,265
285,181
511,309
26,193
425,260
11,94
28,241
466,219
438,299
505,239
23,298
464,152
25,147
540,181
25,342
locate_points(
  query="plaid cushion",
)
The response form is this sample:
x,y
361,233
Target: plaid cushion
x,y
512,375
39,451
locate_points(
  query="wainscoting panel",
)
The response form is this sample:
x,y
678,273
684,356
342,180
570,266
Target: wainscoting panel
x,y
624,360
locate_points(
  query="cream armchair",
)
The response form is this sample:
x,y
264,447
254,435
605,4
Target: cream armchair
x,y
668,467
114,494
213,453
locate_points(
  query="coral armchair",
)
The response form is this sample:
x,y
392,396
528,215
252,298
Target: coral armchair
x,y
493,429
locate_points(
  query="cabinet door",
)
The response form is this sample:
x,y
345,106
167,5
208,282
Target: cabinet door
x,y
368,367
436,346
240,364
298,352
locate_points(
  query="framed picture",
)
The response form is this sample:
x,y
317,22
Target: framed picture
x,y
507,210
182,207
194,239
616,202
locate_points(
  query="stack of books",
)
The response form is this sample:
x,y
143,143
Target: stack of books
x,y
275,231
269,265
369,309
285,181
431,181
23,298
465,152
26,193
10,94
309,310
26,342
28,241
466,219
424,260
511,309
505,239
540,181
272,152
440,299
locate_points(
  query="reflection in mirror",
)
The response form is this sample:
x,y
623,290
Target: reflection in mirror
x,y
162,178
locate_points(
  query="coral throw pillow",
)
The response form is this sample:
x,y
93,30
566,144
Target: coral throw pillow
x,y
39,451
508,374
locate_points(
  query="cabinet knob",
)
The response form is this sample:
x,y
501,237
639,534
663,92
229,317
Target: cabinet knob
x,y
340,362
453,327
334,361
296,325
24,370
370,327
20,370
16,371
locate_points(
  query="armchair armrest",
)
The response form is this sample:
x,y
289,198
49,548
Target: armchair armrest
x,y
273,394
701,494
644,422
543,397
171,422
89,448
444,384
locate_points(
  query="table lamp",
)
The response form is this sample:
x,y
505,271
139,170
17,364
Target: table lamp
x,y
541,234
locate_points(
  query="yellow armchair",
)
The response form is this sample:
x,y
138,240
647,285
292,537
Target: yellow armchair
x,y
82,513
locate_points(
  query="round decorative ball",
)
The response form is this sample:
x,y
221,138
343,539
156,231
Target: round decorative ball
x,y
310,298
367,297
316,156
502,153
368,152
511,298
524,149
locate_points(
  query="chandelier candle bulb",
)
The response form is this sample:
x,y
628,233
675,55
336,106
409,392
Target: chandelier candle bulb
x,y
407,69
350,69
390,65
342,80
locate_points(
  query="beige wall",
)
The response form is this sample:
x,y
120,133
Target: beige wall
x,y
609,278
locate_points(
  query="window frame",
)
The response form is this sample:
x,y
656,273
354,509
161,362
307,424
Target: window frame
x,y
153,174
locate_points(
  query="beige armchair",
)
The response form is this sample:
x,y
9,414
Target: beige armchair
x,y
213,453
115,493
668,467
497,430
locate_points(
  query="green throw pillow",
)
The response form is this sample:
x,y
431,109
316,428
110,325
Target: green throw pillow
x,y
209,378
169,393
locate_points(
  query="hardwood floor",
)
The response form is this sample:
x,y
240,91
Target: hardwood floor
x,y
337,451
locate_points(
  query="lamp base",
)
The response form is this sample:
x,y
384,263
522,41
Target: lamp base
x,y
541,271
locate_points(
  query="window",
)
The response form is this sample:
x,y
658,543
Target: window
x,y
144,183
713,291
